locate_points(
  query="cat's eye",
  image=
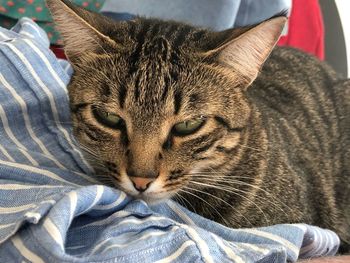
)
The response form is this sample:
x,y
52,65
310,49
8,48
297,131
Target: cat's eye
x,y
106,118
188,127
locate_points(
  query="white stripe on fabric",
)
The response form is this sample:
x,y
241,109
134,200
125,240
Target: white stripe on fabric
x,y
117,202
25,252
109,219
33,27
15,209
202,246
10,134
27,34
326,244
315,243
122,213
335,241
75,247
7,225
37,171
31,215
331,240
300,226
47,64
176,209
137,221
229,252
321,245
177,253
273,237
51,100
67,67
27,123
83,159
25,187
3,150
256,248
99,193
53,231
152,234
329,243
5,36
73,198
28,156
334,236
58,80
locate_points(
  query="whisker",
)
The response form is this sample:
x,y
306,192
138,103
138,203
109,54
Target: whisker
x,y
234,191
178,195
187,192
222,200
106,178
228,179
218,175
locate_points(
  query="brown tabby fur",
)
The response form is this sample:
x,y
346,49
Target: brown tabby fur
x,y
274,151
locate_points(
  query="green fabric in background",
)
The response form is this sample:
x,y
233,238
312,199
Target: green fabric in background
x,y
12,10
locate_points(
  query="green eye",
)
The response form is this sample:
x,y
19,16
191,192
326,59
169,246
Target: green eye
x,y
109,119
188,127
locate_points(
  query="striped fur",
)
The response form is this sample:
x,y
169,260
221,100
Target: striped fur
x,y
275,152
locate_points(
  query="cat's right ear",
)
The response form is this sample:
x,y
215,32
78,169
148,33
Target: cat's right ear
x,y
79,29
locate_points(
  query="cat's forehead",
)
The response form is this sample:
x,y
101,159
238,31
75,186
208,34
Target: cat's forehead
x,y
159,72
155,73
160,33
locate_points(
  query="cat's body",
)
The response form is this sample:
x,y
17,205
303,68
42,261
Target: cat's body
x,y
298,163
173,111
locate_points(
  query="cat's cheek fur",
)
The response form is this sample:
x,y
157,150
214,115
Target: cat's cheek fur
x,y
126,185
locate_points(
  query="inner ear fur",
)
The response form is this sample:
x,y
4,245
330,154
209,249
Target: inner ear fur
x,y
245,50
81,30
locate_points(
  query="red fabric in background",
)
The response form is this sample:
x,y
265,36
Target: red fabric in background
x,y
58,50
305,29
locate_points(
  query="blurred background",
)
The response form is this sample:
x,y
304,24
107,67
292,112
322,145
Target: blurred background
x,y
337,38
319,27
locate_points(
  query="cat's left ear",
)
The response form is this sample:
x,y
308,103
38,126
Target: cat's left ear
x,y
247,52
81,30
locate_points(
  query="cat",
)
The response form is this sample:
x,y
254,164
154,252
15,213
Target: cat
x,y
234,128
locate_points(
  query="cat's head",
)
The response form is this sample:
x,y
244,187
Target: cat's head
x,y
158,103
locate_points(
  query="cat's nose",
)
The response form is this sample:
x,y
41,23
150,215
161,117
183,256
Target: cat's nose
x,y
141,184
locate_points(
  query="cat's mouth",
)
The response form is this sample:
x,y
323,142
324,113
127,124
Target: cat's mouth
x,y
154,193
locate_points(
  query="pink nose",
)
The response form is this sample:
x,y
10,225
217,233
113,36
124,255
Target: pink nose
x,y
141,184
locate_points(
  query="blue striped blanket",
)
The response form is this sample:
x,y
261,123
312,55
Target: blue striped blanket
x,y
53,209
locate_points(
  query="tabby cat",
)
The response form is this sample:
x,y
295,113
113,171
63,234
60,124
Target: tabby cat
x,y
174,111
